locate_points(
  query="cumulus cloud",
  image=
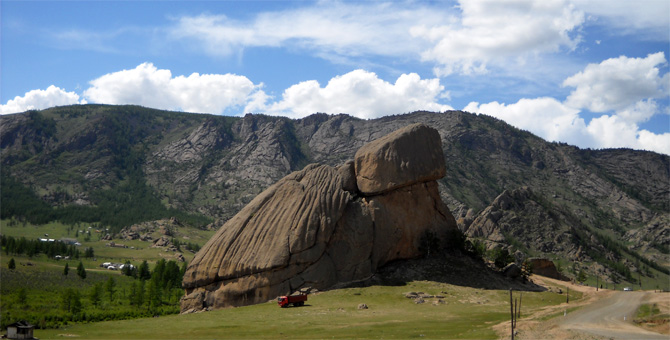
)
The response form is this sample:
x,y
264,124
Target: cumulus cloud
x,y
555,121
618,83
41,99
359,93
545,117
495,31
613,132
149,86
623,88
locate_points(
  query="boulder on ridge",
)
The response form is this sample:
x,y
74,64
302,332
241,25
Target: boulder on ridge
x,y
404,157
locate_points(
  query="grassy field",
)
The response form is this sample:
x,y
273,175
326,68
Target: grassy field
x,y
467,313
140,250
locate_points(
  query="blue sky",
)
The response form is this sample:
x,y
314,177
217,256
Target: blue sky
x,y
589,73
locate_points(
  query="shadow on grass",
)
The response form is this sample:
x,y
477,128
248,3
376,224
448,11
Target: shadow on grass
x,y
455,269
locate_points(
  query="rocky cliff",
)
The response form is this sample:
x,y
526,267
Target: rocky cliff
x,y
579,203
322,226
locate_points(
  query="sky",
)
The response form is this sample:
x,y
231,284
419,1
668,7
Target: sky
x,y
591,73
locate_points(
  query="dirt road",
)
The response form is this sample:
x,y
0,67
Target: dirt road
x,y
610,317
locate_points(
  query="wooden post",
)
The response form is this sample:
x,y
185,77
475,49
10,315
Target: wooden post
x,y
518,314
567,295
511,310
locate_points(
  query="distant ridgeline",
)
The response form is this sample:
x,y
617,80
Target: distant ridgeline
x,y
507,188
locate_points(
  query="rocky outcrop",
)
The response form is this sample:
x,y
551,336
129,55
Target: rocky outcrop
x,y
317,228
520,215
546,267
402,158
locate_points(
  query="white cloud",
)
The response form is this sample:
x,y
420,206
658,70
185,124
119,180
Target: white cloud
x,y
545,117
483,31
618,83
326,28
41,99
499,31
648,17
358,93
146,85
613,132
556,121
638,112
654,142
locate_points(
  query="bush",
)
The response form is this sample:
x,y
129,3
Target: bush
x,y
500,257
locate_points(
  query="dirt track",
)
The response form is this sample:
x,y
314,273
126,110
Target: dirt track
x,y
610,317
600,315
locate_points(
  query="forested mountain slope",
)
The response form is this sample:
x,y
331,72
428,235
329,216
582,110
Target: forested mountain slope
x,y
118,165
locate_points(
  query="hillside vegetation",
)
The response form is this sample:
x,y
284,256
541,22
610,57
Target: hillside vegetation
x,y
604,212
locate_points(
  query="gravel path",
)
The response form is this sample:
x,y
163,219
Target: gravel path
x,y
611,317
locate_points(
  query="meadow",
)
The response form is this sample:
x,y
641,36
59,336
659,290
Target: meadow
x,y
466,313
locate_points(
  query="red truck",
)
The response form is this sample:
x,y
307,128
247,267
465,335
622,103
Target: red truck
x,y
295,300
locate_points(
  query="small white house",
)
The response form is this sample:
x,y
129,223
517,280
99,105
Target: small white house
x,y
20,330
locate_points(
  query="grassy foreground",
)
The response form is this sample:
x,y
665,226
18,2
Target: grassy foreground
x,y
467,313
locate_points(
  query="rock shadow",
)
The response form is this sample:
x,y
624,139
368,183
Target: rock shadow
x,y
456,269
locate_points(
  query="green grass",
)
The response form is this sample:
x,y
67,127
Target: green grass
x,y
649,313
468,314
142,250
44,285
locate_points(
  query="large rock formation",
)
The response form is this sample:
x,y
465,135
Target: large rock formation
x,y
322,225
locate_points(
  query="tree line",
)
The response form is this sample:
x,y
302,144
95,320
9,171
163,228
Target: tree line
x,y
126,204
22,245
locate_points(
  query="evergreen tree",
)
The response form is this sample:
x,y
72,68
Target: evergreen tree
x,y
171,277
96,294
22,295
159,273
581,277
12,264
111,288
132,297
89,252
71,301
144,272
155,293
139,296
66,270
81,271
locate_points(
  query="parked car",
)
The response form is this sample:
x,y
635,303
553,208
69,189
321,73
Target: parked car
x,y
627,289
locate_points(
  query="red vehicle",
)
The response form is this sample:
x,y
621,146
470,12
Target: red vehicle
x,y
295,300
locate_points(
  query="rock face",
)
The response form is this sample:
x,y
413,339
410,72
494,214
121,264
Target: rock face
x,y
546,267
317,228
404,157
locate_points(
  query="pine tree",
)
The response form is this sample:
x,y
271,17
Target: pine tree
x,y
96,294
144,272
22,295
66,270
81,271
111,288
12,264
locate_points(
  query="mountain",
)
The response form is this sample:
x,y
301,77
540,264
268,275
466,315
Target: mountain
x,y
117,165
